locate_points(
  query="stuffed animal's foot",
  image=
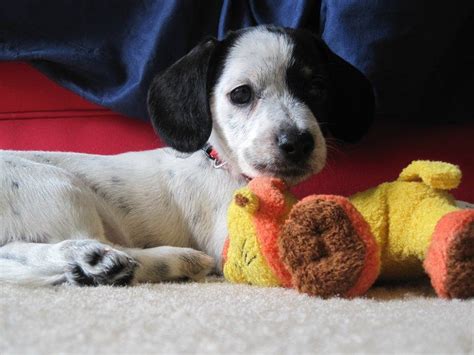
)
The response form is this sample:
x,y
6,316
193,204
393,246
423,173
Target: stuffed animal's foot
x,y
328,248
450,257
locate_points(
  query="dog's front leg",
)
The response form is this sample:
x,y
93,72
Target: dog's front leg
x,y
170,263
89,262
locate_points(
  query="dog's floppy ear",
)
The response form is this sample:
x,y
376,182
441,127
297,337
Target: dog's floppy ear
x,y
178,101
351,106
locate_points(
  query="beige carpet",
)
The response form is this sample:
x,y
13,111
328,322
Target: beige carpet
x,y
219,318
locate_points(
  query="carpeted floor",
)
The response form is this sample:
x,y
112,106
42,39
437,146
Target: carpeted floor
x,y
216,317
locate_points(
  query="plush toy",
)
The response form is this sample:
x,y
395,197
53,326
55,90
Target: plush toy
x,y
328,245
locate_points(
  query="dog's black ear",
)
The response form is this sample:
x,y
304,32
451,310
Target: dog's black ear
x,y
178,100
351,106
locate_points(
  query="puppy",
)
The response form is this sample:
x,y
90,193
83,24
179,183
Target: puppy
x,y
261,97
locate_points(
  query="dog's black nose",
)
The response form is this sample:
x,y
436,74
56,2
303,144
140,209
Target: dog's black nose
x,y
295,146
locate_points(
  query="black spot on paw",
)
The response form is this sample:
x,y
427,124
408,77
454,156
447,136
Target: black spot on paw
x,y
80,277
124,280
95,257
116,268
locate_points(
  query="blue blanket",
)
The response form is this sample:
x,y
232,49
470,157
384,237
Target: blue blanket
x,y
416,53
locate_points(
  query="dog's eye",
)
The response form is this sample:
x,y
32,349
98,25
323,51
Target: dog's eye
x,y
318,90
241,95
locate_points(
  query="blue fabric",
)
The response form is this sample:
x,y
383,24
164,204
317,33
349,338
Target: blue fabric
x,y
418,54
415,52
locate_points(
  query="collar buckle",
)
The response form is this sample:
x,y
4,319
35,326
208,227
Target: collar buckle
x,y
211,154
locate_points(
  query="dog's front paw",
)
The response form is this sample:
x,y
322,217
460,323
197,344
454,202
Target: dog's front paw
x,y
172,263
196,265
98,264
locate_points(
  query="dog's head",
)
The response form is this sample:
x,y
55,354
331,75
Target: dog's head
x,y
262,96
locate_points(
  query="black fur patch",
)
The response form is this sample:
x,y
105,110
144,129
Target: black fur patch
x,y
80,277
162,269
338,94
178,98
116,268
307,76
93,258
124,280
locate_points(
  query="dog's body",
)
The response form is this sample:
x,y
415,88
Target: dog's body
x,y
157,215
132,200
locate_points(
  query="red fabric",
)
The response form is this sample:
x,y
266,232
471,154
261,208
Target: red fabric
x,y
37,114
388,149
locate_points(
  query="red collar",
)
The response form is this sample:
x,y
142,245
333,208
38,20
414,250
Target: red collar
x,y
212,154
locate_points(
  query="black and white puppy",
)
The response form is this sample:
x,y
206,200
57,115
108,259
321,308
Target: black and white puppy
x,y
261,97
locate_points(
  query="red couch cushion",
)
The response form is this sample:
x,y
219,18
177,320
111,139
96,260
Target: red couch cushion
x,y
388,148
37,114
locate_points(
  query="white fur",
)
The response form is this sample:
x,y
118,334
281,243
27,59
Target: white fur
x,y
60,210
52,197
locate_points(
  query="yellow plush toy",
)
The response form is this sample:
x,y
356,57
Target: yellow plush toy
x,y
328,245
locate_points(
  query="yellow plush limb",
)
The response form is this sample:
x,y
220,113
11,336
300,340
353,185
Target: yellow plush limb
x,y
245,261
403,214
372,204
436,174
415,208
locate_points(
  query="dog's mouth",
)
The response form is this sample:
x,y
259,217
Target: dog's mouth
x,y
286,172
254,165
281,170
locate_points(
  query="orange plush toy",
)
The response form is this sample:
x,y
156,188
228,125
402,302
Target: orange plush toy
x,y
320,245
